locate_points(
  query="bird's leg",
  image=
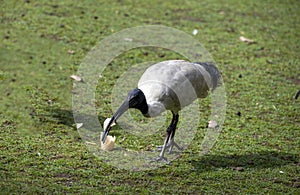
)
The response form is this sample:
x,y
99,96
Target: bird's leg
x,y
164,147
169,132
172,143
169,141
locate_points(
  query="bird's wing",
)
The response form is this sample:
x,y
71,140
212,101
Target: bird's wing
x,y
175,83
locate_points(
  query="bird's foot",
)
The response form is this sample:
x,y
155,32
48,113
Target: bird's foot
x,y
170,146
161,159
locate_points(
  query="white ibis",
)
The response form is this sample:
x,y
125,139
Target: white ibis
x,y
169,85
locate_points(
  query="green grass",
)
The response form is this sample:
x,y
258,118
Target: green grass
x,y
41,150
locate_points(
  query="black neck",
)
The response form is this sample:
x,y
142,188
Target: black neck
x,y
143,107
137,99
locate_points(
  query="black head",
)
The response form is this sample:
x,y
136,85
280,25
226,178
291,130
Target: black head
x,y
135,99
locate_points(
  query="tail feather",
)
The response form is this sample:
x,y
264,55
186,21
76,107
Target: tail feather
x,y
213,71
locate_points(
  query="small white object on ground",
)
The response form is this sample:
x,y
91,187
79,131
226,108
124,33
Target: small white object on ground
x,y
246,40
109,143
212,124
195,31
71,51
78,125
110,140
128,39
90,143
76,78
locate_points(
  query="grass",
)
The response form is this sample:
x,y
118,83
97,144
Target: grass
x,y
44,42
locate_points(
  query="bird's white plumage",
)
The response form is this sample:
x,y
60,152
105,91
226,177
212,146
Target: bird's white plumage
x,y
174,84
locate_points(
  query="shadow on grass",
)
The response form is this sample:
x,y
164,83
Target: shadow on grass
x,y
65,117
265,159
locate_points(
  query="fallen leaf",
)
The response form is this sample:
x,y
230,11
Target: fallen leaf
x,y
270,61
128,39
91,143
71,51
222,12
78,125
246,40
238,168
76,78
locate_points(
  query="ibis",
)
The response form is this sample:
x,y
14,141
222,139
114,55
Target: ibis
x,y
169,85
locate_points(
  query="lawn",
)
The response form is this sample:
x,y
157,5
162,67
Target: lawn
x,y
43,43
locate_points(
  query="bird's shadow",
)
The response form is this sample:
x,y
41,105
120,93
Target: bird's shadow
x,y
63,117
260,160
66,117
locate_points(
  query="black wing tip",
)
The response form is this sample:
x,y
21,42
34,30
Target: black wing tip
x,y
213,71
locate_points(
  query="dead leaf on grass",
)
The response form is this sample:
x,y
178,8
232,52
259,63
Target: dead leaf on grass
x,y
246,40
76,78
71,51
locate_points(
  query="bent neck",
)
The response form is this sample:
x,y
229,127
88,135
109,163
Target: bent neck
x,y
137,100
143,106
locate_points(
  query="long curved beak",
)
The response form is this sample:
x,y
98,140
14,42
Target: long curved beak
x,y
123,108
